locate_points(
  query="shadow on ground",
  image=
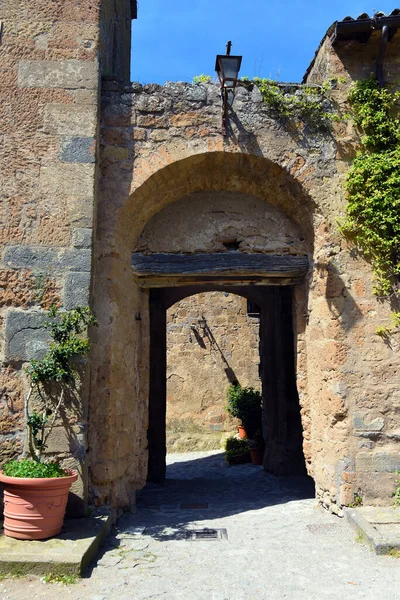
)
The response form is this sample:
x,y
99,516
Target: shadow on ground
x,y
205,488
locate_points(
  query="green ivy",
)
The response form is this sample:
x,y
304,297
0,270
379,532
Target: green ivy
x,y
372,219
67,331
305,103
64,329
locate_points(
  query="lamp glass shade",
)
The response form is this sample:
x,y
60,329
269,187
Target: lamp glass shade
x,y
228,68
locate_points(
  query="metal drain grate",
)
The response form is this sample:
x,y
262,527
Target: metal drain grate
x,y
207,534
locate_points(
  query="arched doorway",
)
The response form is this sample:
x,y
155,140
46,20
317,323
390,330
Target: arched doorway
x,y
236,208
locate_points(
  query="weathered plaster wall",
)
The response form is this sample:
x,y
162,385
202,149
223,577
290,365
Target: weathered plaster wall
x,y
198,356
216,221
49,114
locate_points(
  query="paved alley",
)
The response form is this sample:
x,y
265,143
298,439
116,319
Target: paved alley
x,y
258,537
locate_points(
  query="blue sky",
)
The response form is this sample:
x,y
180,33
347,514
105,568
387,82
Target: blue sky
x,y
179,39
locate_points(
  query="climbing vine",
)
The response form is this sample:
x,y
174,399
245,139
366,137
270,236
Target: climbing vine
x,y
307,103
372,219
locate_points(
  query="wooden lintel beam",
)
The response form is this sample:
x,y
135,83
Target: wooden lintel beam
x,y
234,267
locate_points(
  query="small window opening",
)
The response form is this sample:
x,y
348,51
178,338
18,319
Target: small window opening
x,y
231,245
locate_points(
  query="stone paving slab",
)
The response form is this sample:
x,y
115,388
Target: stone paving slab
x,y
67,554
379,525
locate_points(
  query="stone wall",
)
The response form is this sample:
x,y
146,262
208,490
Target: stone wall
x,y
49,115
68,227
164,144
211,340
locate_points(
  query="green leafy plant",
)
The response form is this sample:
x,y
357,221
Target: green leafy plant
x,y
396,494
64,579
372,219
32,469
245,405
201,78
235,447
56,370
357,501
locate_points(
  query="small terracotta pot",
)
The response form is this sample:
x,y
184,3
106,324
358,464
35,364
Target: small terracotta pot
x,y
257,455
34,508
242,432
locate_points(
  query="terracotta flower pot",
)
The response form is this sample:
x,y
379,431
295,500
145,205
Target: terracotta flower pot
x,y
242,432
257,455
34,508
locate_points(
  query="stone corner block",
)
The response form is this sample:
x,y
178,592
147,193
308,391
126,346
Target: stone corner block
x,y
70,179
25,335
378,462
362,422
82,237
76,289
44,258
70,120
70,73
29,257
78,150
76,259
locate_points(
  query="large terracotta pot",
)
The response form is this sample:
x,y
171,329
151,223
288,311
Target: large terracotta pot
x,y
257,455
34,508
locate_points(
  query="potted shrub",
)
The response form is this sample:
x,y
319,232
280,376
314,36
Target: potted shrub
x,y
245,405
35,490
236,451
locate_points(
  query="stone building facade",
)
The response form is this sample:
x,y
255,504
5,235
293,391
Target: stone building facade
x,y
96,170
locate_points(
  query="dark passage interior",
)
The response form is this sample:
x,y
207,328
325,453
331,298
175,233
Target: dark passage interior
x,y
282,429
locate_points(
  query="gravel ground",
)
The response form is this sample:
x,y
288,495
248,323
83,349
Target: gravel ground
x,y
274,543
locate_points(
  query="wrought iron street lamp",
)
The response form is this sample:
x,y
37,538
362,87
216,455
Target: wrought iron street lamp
x,y
228,68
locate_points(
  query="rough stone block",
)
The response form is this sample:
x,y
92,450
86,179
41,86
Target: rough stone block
x,y
32,257
381,462
76,289
360,422
82,237
79,259
25,336
70,119
152,121
81,211
78,149
376,488
69,74
67,440
68,179
41,258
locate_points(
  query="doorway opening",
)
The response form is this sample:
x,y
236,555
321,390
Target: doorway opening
x,y
269,362
211,344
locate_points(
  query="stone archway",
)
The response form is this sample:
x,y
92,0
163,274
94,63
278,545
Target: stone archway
x,y
119,396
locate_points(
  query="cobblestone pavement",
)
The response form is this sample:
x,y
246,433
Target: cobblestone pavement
x,y
278,544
